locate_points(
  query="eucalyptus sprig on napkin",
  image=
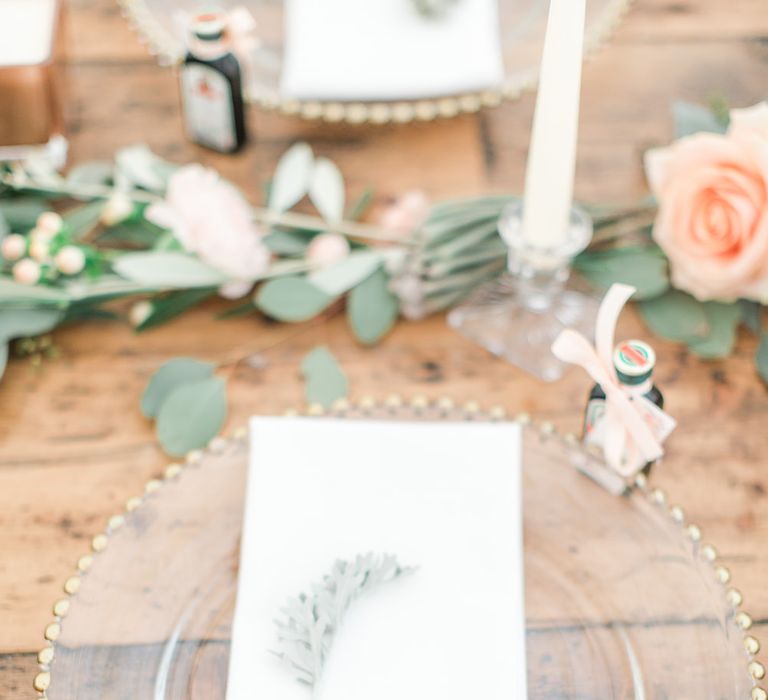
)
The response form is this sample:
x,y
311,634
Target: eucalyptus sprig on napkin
x,y
312,619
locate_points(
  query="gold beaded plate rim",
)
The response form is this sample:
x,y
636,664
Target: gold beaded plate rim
x,y
165,48
472,410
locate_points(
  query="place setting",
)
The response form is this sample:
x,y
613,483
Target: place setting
x,y
417,543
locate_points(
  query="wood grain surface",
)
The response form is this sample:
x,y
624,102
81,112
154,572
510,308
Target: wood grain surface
x,y
74,446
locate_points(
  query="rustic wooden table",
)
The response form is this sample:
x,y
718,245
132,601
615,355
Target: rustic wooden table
x,y
74,446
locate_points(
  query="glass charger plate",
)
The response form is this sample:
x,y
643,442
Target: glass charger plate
x,y
623,598
522,25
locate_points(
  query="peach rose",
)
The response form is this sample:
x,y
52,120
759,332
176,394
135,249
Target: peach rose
x,y
713,208
210,218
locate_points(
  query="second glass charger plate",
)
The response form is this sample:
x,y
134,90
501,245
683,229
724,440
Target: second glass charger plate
x,y
624,599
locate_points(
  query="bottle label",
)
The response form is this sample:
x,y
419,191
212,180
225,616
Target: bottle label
x,y
593,435
208,107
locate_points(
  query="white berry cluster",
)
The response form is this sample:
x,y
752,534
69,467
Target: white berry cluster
x,y
45,252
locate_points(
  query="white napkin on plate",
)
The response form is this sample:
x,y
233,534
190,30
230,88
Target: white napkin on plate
x,y
441,496
385,50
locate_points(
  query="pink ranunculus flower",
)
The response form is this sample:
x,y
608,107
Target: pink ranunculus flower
x,y
211,219
407,213
712,223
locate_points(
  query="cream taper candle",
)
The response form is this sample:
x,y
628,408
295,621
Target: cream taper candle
x,y
552,154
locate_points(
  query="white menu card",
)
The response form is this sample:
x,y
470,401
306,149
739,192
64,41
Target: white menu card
x,y
385,50
445,497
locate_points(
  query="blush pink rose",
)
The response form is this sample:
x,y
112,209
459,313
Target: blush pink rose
x,y
211,219
712,223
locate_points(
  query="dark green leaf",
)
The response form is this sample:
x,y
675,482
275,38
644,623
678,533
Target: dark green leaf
x,y
325,380
691,118
643,268
723,320
135,232
21,212
675,316
192,415
762,357
237,311
372,309
176,372
172,305
360,205
291,299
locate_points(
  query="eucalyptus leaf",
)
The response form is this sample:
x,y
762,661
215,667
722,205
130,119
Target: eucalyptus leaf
x,y
676,316
292,177
13,293
21,212
83,218
646,269
5,227
288,242
138,166
4,348
762,357
291,299
192,415
341,276
372,309
326,190
95,172
325,382
167,269
174,373
723,320
692,118
751,312
17,323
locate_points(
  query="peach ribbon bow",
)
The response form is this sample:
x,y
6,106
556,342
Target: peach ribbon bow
x,y
633,429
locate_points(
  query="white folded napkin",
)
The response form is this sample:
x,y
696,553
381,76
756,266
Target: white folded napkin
x,y
385,50
444,497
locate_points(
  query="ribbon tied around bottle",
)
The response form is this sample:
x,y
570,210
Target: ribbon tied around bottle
x,y
635,428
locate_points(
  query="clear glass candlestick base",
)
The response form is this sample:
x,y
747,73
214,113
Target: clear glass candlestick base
x,y
519,315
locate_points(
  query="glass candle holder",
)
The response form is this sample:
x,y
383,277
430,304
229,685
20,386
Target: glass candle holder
x,y
519,315
31,57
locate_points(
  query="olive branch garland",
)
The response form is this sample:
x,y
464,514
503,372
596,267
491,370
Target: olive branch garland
x,y
311,620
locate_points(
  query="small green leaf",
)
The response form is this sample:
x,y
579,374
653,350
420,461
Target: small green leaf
x,y
676,316
21,212
326,190
95,172
291,299
325,380
762,357
5,227
372,309
167,269
291,178
340,277
691,118
138,166
83,218
751,312
18,323
176,372
16,293
292,242
192,415
643,268
723,321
